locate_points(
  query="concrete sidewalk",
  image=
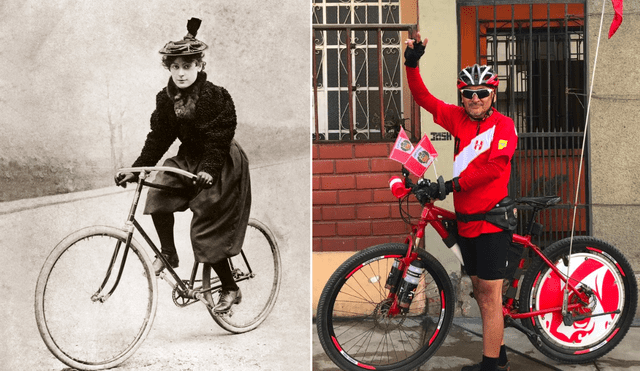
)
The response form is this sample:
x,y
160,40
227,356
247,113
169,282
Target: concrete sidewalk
x,y
463,346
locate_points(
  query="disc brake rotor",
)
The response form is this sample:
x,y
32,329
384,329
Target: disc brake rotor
x,y
383,320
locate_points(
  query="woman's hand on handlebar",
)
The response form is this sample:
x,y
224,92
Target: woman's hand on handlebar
x,y
204,180
122,179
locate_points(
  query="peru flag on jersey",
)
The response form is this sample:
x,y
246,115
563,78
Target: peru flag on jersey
x,y
478,145
421,157
402,148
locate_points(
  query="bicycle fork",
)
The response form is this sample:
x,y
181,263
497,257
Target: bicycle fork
x,y
98,296
398,277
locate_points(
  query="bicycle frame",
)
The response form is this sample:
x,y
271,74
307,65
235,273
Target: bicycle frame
x,y
436,217
132,225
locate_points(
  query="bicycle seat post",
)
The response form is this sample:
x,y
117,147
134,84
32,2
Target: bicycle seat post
x,y
532,221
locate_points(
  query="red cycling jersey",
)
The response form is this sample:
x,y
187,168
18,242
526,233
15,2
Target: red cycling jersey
x,y
482,157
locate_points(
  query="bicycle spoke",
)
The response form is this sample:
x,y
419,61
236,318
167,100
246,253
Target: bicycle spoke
x,y
260,255
80,327
361,323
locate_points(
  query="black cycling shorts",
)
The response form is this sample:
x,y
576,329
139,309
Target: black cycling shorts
x,y
485,256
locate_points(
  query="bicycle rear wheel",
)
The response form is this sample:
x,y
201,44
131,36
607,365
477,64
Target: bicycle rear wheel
x,y
91,330
595,266
352,319
258,274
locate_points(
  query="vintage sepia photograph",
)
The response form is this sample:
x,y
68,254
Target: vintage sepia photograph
x,y
155,185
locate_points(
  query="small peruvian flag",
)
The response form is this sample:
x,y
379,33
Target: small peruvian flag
x,y
421,157
402,148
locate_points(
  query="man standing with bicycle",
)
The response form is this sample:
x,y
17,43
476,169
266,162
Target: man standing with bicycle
x,y
485,141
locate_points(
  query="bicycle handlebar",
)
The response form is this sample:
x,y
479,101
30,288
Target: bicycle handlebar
x,y
402,187
149,169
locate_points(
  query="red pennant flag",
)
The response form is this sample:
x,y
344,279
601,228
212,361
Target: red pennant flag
x,y
422,157
617,18
402,148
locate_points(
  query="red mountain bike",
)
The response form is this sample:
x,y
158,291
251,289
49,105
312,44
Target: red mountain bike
x,y
365,323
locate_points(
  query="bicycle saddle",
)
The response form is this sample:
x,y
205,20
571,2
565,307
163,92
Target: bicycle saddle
x,y
541,201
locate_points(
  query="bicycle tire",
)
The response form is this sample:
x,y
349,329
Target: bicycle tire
x,y
259,292
601,267
72,324
355,297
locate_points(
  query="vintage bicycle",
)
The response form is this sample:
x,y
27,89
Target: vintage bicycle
x,y
96,295
573,306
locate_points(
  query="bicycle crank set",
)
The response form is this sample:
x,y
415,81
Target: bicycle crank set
x,y
181,298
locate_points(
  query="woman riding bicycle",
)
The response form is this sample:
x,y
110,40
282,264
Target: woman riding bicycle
x,y
485,141
202,115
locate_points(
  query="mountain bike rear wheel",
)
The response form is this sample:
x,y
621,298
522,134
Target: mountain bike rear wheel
x,y
258,274
84,328
353,324
596,266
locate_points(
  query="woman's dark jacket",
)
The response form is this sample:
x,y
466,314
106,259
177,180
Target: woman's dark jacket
x,y
207,136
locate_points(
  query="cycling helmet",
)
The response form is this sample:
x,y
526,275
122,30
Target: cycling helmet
x,y
477,75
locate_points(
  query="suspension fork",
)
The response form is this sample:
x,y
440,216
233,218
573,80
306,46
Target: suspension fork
x,y
412,240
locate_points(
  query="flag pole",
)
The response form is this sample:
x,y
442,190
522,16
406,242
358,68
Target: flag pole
x,y
434,167
565,295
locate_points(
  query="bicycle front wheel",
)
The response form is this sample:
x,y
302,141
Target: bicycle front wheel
x,y
83,326
597,268
257,272
353,321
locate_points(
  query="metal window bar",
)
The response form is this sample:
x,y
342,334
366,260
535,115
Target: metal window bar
x,y
548,110
347,31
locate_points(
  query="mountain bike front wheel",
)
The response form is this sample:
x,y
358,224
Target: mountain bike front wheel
x,y
83,326
597,268
258,274
353,321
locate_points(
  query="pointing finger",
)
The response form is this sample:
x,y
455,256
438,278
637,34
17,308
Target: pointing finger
x,y
417,37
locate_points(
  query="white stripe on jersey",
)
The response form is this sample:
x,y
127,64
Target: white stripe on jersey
x,y
478,145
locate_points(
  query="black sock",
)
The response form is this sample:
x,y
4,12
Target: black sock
x,y
164,226
489,364
223,270
502,360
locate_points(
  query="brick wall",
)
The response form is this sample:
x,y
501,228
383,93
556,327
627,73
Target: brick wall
x,y
353,207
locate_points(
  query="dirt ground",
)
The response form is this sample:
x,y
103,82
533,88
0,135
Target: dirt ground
x,y
181,338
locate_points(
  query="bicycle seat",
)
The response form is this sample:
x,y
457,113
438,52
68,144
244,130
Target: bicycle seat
x,y
540,202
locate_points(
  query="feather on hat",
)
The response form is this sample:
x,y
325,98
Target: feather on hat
x,y
189,44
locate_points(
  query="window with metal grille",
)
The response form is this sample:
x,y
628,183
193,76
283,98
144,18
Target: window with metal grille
x,y
359,92
538,52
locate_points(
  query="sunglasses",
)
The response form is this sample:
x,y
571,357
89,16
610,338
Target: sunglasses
x,y
481,93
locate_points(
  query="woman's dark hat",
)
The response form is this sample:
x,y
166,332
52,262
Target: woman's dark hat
x,y
189,44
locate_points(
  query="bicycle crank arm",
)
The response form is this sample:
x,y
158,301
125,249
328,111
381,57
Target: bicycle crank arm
x,y
200,296
518,326
568,320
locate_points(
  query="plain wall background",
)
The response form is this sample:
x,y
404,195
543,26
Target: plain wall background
x,y
80,79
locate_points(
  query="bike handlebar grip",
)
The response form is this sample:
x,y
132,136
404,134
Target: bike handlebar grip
x,y
397,187
442,188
